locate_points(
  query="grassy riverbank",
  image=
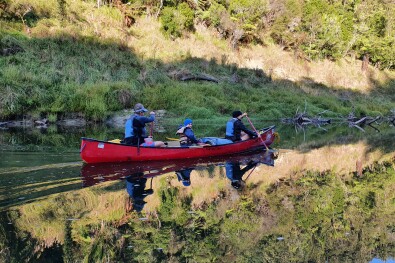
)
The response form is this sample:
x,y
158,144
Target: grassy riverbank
x,y
91,65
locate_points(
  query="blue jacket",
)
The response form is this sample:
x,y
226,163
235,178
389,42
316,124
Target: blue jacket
x,y
233,130
135,125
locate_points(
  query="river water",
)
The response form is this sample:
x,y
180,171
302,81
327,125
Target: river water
x,y
321,194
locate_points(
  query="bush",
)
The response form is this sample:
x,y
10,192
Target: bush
x,y
214,14
176,21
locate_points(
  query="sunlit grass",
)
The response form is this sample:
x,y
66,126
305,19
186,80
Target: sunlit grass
x,y
91,49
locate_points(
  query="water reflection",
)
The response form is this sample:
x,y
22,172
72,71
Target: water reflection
x,y
235,173
184,176
137,174
135,186
313,205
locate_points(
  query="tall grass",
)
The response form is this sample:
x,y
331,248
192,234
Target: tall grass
x,y
85,61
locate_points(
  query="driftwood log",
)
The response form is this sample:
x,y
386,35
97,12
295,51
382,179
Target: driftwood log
x,y
301,119
363,121
186,75
198,77
391,118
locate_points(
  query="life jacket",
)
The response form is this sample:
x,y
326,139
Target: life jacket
x,y
230,127
184,140
134,128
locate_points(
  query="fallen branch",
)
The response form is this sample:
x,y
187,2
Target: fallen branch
x,y
362,121
358,127
304,119
391,118
198,77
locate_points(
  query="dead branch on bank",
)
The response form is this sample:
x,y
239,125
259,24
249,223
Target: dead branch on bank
x,y
302,119
391,117
199,77
185,75
361,122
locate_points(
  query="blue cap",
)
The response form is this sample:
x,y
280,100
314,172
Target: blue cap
x,y
187,121
186,182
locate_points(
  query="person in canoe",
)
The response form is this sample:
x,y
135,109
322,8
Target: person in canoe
x,y
187,136
235,129
135,131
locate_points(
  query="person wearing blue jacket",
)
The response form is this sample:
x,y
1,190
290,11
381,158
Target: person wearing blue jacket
x,y
135,131
187,136
235,129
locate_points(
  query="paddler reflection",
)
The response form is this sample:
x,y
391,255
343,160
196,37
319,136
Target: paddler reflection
x,y
236,169
135,186
184,176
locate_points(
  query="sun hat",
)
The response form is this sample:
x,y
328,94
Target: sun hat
x,y
236,114
139,108
187,121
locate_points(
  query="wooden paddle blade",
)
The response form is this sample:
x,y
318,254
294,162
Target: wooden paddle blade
x,y
172,139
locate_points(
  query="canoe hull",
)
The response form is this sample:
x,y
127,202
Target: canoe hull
x,y
96,151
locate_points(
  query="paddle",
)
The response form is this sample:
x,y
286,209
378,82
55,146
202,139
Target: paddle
x,y
151,129
172,139
253,127
250,173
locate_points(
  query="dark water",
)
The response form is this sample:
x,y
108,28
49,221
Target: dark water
x,y
323,194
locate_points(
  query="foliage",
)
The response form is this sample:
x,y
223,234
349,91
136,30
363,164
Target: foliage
x,y
177,20
214,14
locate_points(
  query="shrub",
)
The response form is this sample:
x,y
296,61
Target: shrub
x,y
214,14
176,21
248,15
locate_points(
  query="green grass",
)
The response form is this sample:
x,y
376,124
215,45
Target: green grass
x,y
65,68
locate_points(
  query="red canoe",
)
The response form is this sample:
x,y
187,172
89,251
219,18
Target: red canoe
x,y
96,151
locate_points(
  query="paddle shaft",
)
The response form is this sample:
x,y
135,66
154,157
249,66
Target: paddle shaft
x,y
151,129
253,127
250,173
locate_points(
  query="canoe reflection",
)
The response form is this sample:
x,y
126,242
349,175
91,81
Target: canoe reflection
x,y
97,173
137,174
